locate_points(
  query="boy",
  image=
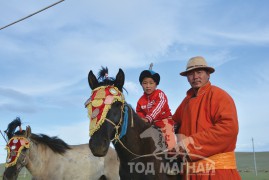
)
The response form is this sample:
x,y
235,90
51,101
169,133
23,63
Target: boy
x,y
153,106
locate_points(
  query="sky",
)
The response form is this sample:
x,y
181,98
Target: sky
x,y
45,59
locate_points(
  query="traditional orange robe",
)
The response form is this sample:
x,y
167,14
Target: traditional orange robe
x,y
209,121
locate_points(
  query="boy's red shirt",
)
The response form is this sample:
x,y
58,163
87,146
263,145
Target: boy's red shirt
x,y
153,107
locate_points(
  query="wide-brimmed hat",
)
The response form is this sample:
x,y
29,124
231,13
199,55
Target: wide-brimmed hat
x,y
197,62
149,74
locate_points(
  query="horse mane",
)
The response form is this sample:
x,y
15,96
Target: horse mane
x,y
56,144
137,120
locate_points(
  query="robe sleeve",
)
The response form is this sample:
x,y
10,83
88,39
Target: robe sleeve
x,y
221,137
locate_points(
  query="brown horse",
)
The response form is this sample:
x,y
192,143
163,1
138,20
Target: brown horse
x,y
51,158
112,119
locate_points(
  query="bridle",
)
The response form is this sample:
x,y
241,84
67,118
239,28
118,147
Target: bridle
x,y
21,157
117,137
117,134
22,163
98,97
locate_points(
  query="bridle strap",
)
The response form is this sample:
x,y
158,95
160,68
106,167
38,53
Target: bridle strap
x,y
117,137
23,163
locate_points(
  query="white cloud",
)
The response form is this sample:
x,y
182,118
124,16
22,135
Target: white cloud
x,y
73,133
256,37
46,58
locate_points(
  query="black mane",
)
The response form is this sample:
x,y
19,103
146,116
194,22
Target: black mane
x,y
103,78
54,143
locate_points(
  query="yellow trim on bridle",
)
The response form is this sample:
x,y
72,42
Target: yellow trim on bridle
x,y
117,134
9,150
104,118
95,124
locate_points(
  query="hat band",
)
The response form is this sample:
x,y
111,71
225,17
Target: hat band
x,y
196,66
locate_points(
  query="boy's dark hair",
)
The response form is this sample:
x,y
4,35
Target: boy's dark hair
x,y
149,74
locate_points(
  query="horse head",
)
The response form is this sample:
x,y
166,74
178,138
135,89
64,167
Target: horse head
x,y
105,108
17,150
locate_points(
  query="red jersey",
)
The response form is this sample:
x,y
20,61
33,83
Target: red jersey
x,y
154,106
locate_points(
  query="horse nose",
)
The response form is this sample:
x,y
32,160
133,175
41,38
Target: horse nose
x,y
10,173
6,177
99,148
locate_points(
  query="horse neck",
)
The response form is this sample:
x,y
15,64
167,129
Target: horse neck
x,y
132,141
39,157
135,122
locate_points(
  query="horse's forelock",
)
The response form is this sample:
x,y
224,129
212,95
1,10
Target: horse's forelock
x,y
106,82
10,131
19,133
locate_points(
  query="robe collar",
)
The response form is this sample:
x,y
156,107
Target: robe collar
x,y
201,90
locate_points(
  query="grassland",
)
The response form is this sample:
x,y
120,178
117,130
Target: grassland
x,y
245,164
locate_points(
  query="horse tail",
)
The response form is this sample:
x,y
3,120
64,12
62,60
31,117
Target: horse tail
x,y
12,127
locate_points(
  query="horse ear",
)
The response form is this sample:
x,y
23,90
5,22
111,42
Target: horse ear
x,y
119,82
28,132
93,82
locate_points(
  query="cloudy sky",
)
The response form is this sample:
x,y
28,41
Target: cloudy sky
x,y
45,59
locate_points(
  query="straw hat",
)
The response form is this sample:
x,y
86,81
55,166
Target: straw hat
x,y
197,62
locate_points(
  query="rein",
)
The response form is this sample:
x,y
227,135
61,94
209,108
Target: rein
x,y
98,106
117,137
117,134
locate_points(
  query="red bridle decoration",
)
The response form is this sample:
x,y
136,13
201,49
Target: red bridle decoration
x,y
100,103
14,148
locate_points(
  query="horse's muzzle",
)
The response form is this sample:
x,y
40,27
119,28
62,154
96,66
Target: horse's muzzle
x,y
99,148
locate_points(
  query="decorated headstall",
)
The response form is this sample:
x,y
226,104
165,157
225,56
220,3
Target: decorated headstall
x,y
99,104
14,147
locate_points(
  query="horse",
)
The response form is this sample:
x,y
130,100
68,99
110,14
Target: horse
x,y
114,120
51,158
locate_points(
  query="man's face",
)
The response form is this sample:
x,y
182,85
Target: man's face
x,y
197,78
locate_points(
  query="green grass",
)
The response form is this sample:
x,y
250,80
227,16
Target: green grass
x,y
245,165
24,174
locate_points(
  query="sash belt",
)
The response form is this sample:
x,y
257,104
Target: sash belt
x,y
218,161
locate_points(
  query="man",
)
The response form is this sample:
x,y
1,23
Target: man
x,y
207,120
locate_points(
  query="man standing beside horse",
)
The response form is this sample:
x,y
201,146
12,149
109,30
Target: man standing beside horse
x,y
207,117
